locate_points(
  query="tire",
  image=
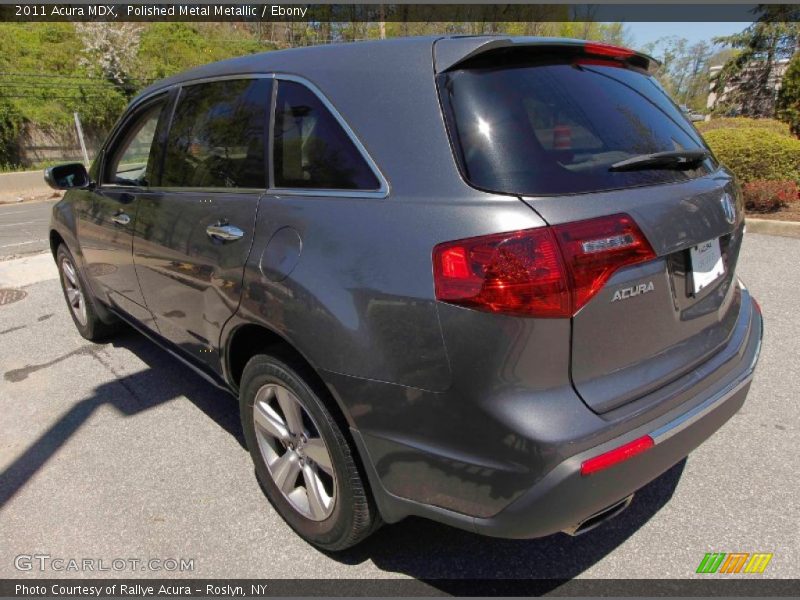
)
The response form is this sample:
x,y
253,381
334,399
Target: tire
x,y
350,514
81,303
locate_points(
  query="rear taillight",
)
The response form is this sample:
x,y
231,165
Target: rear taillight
x,y
517,273
543,272
593,250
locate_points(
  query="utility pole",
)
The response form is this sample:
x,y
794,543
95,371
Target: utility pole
x,y
80,139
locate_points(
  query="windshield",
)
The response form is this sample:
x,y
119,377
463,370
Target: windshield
x,y
557,127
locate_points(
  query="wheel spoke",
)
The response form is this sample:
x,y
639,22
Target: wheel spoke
x,y
316,501
291,410
315,449
285,471
74,296
69,271
270,421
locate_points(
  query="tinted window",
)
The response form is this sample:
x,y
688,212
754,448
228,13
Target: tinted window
x,y
128,160
217,137
311,149
557,127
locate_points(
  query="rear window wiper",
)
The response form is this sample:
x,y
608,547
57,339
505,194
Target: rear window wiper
x,y
678,159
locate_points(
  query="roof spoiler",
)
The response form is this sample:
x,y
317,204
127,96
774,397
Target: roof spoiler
x,y
449,53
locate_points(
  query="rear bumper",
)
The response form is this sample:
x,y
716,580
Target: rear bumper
x,y
563,498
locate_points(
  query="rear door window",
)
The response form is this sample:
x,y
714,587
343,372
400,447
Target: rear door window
x,y
218,136
556,126
311,150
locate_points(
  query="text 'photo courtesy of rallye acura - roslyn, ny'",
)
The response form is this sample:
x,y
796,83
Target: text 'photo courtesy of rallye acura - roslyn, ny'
x,y
489,281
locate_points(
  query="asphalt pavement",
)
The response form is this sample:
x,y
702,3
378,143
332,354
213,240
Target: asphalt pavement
x,y
23,228
117,450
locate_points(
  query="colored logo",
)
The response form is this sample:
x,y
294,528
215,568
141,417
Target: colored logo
x,y
734,562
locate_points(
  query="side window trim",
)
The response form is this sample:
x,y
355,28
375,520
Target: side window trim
x,y
171,96
118,134
383,189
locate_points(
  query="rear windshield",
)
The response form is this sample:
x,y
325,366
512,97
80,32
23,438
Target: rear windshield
x,y
556,126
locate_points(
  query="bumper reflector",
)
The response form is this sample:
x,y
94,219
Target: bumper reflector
x,y
617,455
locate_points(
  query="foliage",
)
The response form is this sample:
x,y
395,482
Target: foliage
x,y
743,122
768,196
683,69
746,79
10,127
109,50
788,107
756,153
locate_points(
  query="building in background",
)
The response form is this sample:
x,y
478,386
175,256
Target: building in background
x,y
737,97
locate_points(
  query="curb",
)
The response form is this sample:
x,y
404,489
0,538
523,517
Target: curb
x,y
772,227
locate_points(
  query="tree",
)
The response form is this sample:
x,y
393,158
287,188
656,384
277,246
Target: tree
x,y
683,71
747,81
110,49
788,108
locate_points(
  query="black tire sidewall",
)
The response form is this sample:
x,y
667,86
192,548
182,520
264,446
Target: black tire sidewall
x,y
331,532
85,330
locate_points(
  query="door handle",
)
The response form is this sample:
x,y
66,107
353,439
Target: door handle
x,y
121,219
224,232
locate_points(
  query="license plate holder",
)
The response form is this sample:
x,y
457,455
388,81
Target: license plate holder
x,y
706,263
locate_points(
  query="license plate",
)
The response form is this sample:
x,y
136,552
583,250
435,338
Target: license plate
x,y
707,264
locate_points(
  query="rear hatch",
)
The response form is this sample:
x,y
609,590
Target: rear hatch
x,y
582,131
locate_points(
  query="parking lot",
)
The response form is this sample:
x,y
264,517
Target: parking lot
x,y
117,450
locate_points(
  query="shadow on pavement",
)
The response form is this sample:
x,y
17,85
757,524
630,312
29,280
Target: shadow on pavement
x,y
164,380
451,560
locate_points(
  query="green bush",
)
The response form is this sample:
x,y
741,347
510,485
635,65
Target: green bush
x,y
788,107
743,122
754,153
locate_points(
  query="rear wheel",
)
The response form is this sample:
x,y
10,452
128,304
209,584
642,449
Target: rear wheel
x,y
81,304
302,457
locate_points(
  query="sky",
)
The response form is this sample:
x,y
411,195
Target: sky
x,y
692,31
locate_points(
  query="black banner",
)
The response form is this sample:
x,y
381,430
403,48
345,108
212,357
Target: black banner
x,y
709,585
260,11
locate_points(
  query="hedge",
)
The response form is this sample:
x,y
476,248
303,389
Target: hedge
x,y
769,196
743,122
755,153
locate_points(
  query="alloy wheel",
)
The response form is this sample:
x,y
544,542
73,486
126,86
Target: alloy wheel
x,y
72,287
296,456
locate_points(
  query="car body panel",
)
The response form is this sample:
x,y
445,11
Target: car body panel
x,y
192,283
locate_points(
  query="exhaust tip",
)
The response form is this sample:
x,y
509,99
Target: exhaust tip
x,y
599,517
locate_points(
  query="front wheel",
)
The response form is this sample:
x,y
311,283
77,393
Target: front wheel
x,y
80,302
302,458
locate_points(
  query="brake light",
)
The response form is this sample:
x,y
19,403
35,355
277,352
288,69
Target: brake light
x,y
545,272
600,49
617,455
593,250
516,273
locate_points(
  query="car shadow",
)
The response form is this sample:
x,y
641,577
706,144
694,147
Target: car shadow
x,y
462,563
165,379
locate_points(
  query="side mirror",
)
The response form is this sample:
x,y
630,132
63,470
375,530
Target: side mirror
x,y
67,177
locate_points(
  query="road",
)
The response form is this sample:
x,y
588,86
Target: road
x,y
117,450
23,228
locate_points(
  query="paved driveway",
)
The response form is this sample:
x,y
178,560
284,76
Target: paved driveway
x,y
117,450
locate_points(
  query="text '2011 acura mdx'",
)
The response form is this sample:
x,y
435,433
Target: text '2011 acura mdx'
x,y
489,281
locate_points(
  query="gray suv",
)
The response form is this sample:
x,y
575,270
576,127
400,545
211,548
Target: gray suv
x,y
489,281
